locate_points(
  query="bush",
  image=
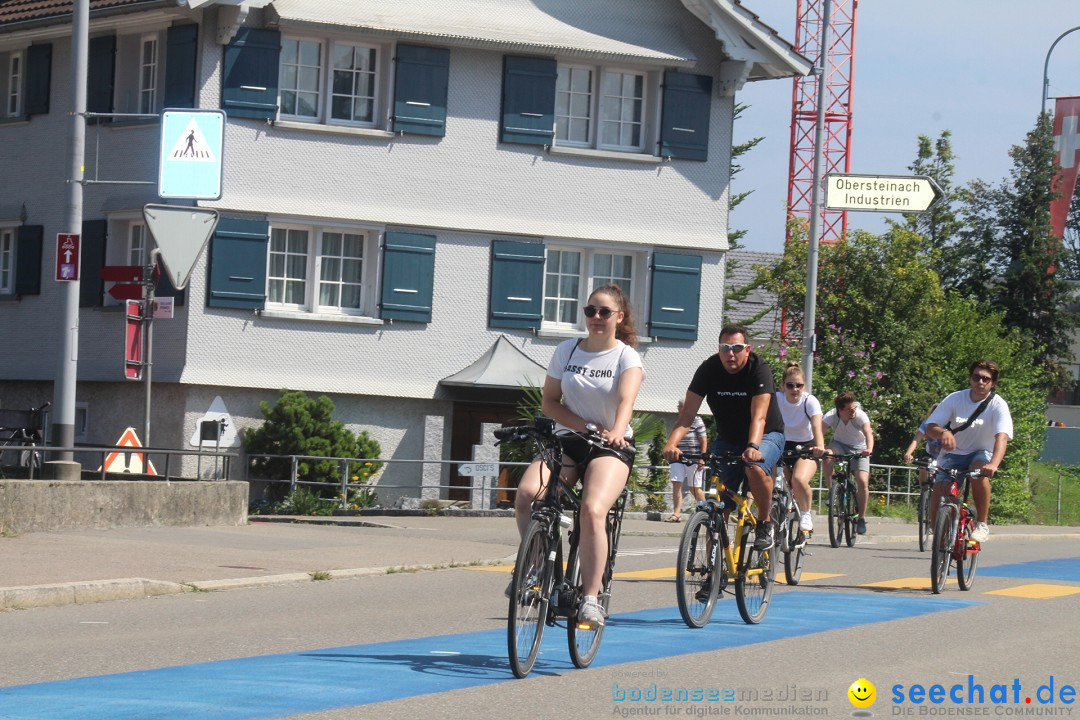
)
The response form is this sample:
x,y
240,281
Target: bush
x,y
300,425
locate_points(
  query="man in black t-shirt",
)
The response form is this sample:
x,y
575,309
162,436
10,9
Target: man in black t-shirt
x,y
739,388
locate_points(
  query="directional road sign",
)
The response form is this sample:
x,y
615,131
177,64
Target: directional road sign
x,y
67,256
126,291
121,273
478,469
881,193
190,156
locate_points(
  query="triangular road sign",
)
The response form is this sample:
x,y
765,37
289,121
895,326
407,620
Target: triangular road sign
x,y
181,234
191,146
128,462
217,412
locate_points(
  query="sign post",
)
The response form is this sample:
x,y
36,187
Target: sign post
x,y
881,193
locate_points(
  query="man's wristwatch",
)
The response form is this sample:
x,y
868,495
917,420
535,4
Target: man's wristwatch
x,y
753,445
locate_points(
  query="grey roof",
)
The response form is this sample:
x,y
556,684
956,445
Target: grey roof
x,y
743,269
504,365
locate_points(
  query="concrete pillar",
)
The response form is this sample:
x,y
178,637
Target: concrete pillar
x,y
432,473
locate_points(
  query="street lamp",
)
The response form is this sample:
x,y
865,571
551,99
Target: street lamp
x,y
1046,66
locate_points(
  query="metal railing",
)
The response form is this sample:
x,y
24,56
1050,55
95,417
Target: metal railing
x,y
48,452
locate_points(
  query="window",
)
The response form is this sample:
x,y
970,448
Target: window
x,y
600,107
7,261
13,103
136,249
319,269
347,92
148,75
570,275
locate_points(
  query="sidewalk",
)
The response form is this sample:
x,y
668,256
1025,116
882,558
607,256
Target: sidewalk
x,y
83,566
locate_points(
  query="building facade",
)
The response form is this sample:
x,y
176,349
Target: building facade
x,y
406,186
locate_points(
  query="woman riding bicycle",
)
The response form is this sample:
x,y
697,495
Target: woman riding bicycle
x,y
852,433
932,449
802,428
592,380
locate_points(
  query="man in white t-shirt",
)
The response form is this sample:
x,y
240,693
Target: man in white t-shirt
x,y
695,441
851,433
978,445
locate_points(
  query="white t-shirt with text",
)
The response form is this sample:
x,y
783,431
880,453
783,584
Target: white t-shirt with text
x,y
590,381
958,407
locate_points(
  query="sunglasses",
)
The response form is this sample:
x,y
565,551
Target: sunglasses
x,y
603,312
736,348
796,386
982,378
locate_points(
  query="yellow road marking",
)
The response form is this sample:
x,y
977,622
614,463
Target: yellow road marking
x,y
654,574
910,583
1038,591
494,568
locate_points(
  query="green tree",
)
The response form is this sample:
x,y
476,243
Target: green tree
x,y
1070,261
940,224
1009,227
301,425
735,295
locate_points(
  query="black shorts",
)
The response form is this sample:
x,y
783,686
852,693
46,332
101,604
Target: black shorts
x,y
792,446
579,450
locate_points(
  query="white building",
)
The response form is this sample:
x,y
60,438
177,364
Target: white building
x,y
408,185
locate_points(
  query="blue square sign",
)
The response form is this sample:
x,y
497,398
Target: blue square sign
x,y
190,155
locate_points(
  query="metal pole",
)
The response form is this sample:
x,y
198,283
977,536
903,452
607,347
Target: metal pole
x,y
148,340
810,311
1046,66
63,429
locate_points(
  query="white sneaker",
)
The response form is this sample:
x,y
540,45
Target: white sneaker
x,y
981,533
806,522
591,612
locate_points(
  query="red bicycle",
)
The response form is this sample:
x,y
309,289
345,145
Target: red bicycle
x,y
953,543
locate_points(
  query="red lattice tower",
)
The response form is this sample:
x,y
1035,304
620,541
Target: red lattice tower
x,y
836,151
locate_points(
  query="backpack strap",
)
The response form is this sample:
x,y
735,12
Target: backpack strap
x,y
978,411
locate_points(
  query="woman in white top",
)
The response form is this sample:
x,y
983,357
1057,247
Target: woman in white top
x,y
852,433
802,428
592,380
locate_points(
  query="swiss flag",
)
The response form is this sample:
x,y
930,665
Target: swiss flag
x,y
1067,156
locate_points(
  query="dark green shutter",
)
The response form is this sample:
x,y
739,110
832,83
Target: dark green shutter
x,y
684,127
517,284
180,62
28,260
528,100
408,281
249,87
675,297
92,252
38,78
101,74
422,76
238,264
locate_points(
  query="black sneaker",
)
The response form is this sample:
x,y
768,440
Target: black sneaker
x,y
763,536
702,595
860,527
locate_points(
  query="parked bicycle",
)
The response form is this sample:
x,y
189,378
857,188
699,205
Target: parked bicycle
x,y
843,502
542,591
21,432
953,526
929,464
708,558
790,538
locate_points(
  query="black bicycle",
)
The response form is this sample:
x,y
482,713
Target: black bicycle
x,y
21,432
790,537
930,465
843,501
542,591
708,558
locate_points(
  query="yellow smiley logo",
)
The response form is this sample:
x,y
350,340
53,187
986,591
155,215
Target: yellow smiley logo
x,y
862,693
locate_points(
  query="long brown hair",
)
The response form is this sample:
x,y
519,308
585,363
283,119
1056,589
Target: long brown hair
x,y
624,331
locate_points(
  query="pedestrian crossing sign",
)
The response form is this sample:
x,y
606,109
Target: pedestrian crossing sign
x,y
189,164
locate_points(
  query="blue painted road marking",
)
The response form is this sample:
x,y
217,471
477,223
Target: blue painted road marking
x,y
1064,569
274,686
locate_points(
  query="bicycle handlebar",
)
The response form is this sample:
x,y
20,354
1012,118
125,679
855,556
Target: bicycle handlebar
x,y
728,456
543,431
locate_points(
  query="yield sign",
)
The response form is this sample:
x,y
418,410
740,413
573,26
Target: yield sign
x,y
128,462
181,234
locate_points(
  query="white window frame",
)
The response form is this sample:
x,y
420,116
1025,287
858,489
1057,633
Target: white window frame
x,y
15,72
325,86
315,262
598,104
589,281
149,73
138,243
8,240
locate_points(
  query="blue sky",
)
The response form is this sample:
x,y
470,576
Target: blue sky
x,y
973,67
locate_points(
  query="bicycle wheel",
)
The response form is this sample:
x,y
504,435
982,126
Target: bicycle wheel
x,y
836,513
941,554
583,640
924,518
698,571
850,513
754,580
967,558
793,558
528,600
